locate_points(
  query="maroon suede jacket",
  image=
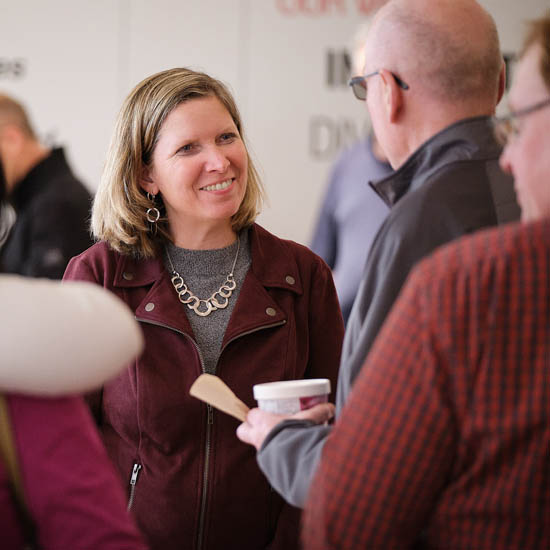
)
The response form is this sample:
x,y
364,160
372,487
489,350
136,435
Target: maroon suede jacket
x,y
71,490
195,485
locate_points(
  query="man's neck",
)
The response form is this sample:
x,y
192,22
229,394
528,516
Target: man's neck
x,y
428,125
32,154
377,150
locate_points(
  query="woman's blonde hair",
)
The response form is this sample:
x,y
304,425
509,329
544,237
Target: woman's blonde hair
x,y
120,204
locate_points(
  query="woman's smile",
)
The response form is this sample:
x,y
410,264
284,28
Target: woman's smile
x,y
218,186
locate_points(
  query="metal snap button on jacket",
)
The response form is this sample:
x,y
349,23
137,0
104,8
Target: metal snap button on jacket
x,y
127,276
271,312
290,280
150,306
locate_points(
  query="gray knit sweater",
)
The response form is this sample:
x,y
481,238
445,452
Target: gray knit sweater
x,y
204,271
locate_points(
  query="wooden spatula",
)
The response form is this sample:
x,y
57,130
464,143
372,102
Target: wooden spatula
x,y
215,392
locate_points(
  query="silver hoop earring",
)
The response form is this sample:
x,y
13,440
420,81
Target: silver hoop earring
x,y
152,214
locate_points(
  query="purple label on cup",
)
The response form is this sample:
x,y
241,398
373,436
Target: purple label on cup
x,y
308,402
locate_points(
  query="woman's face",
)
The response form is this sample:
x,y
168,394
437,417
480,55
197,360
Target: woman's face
x,y
199,166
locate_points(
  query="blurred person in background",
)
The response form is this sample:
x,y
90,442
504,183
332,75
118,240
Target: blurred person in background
x,y
214,293
51,205
444,442
58,488
351,212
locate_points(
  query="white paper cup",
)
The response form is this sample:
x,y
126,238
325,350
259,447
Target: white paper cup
x,y
291,396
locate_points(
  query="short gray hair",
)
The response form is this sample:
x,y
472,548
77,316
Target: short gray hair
x,y
450,66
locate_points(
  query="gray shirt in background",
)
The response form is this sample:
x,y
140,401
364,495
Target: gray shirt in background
x,y
350,217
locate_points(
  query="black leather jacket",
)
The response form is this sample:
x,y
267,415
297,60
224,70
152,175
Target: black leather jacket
x,y
53,210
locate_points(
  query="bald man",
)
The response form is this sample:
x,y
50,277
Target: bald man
x,y
432,79
51,205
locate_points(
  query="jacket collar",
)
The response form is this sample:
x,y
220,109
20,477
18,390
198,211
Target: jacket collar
x,y
273,266
273,262
469,139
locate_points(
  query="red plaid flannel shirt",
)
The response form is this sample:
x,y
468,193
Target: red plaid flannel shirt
x,y
445,440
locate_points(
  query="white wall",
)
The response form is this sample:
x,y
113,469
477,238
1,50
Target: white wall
x,y
73,61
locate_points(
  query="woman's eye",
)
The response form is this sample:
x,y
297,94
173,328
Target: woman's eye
x,y
228,136
187,148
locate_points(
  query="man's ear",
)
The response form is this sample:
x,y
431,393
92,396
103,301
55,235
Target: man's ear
x,y
392,95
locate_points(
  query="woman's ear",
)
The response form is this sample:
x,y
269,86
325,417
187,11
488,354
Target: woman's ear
x,y
146,181
392,96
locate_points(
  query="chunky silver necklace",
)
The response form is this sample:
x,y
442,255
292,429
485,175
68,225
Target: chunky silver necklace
x,y
218,300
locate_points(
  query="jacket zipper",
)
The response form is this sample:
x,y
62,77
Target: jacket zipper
x,y
209,422
133,480
278,324
202,516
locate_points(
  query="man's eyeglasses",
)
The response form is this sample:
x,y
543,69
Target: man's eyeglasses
x,y
359,84
507,127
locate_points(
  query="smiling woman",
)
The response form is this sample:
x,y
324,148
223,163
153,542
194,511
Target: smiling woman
x,y
163,122
199,167
214,292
